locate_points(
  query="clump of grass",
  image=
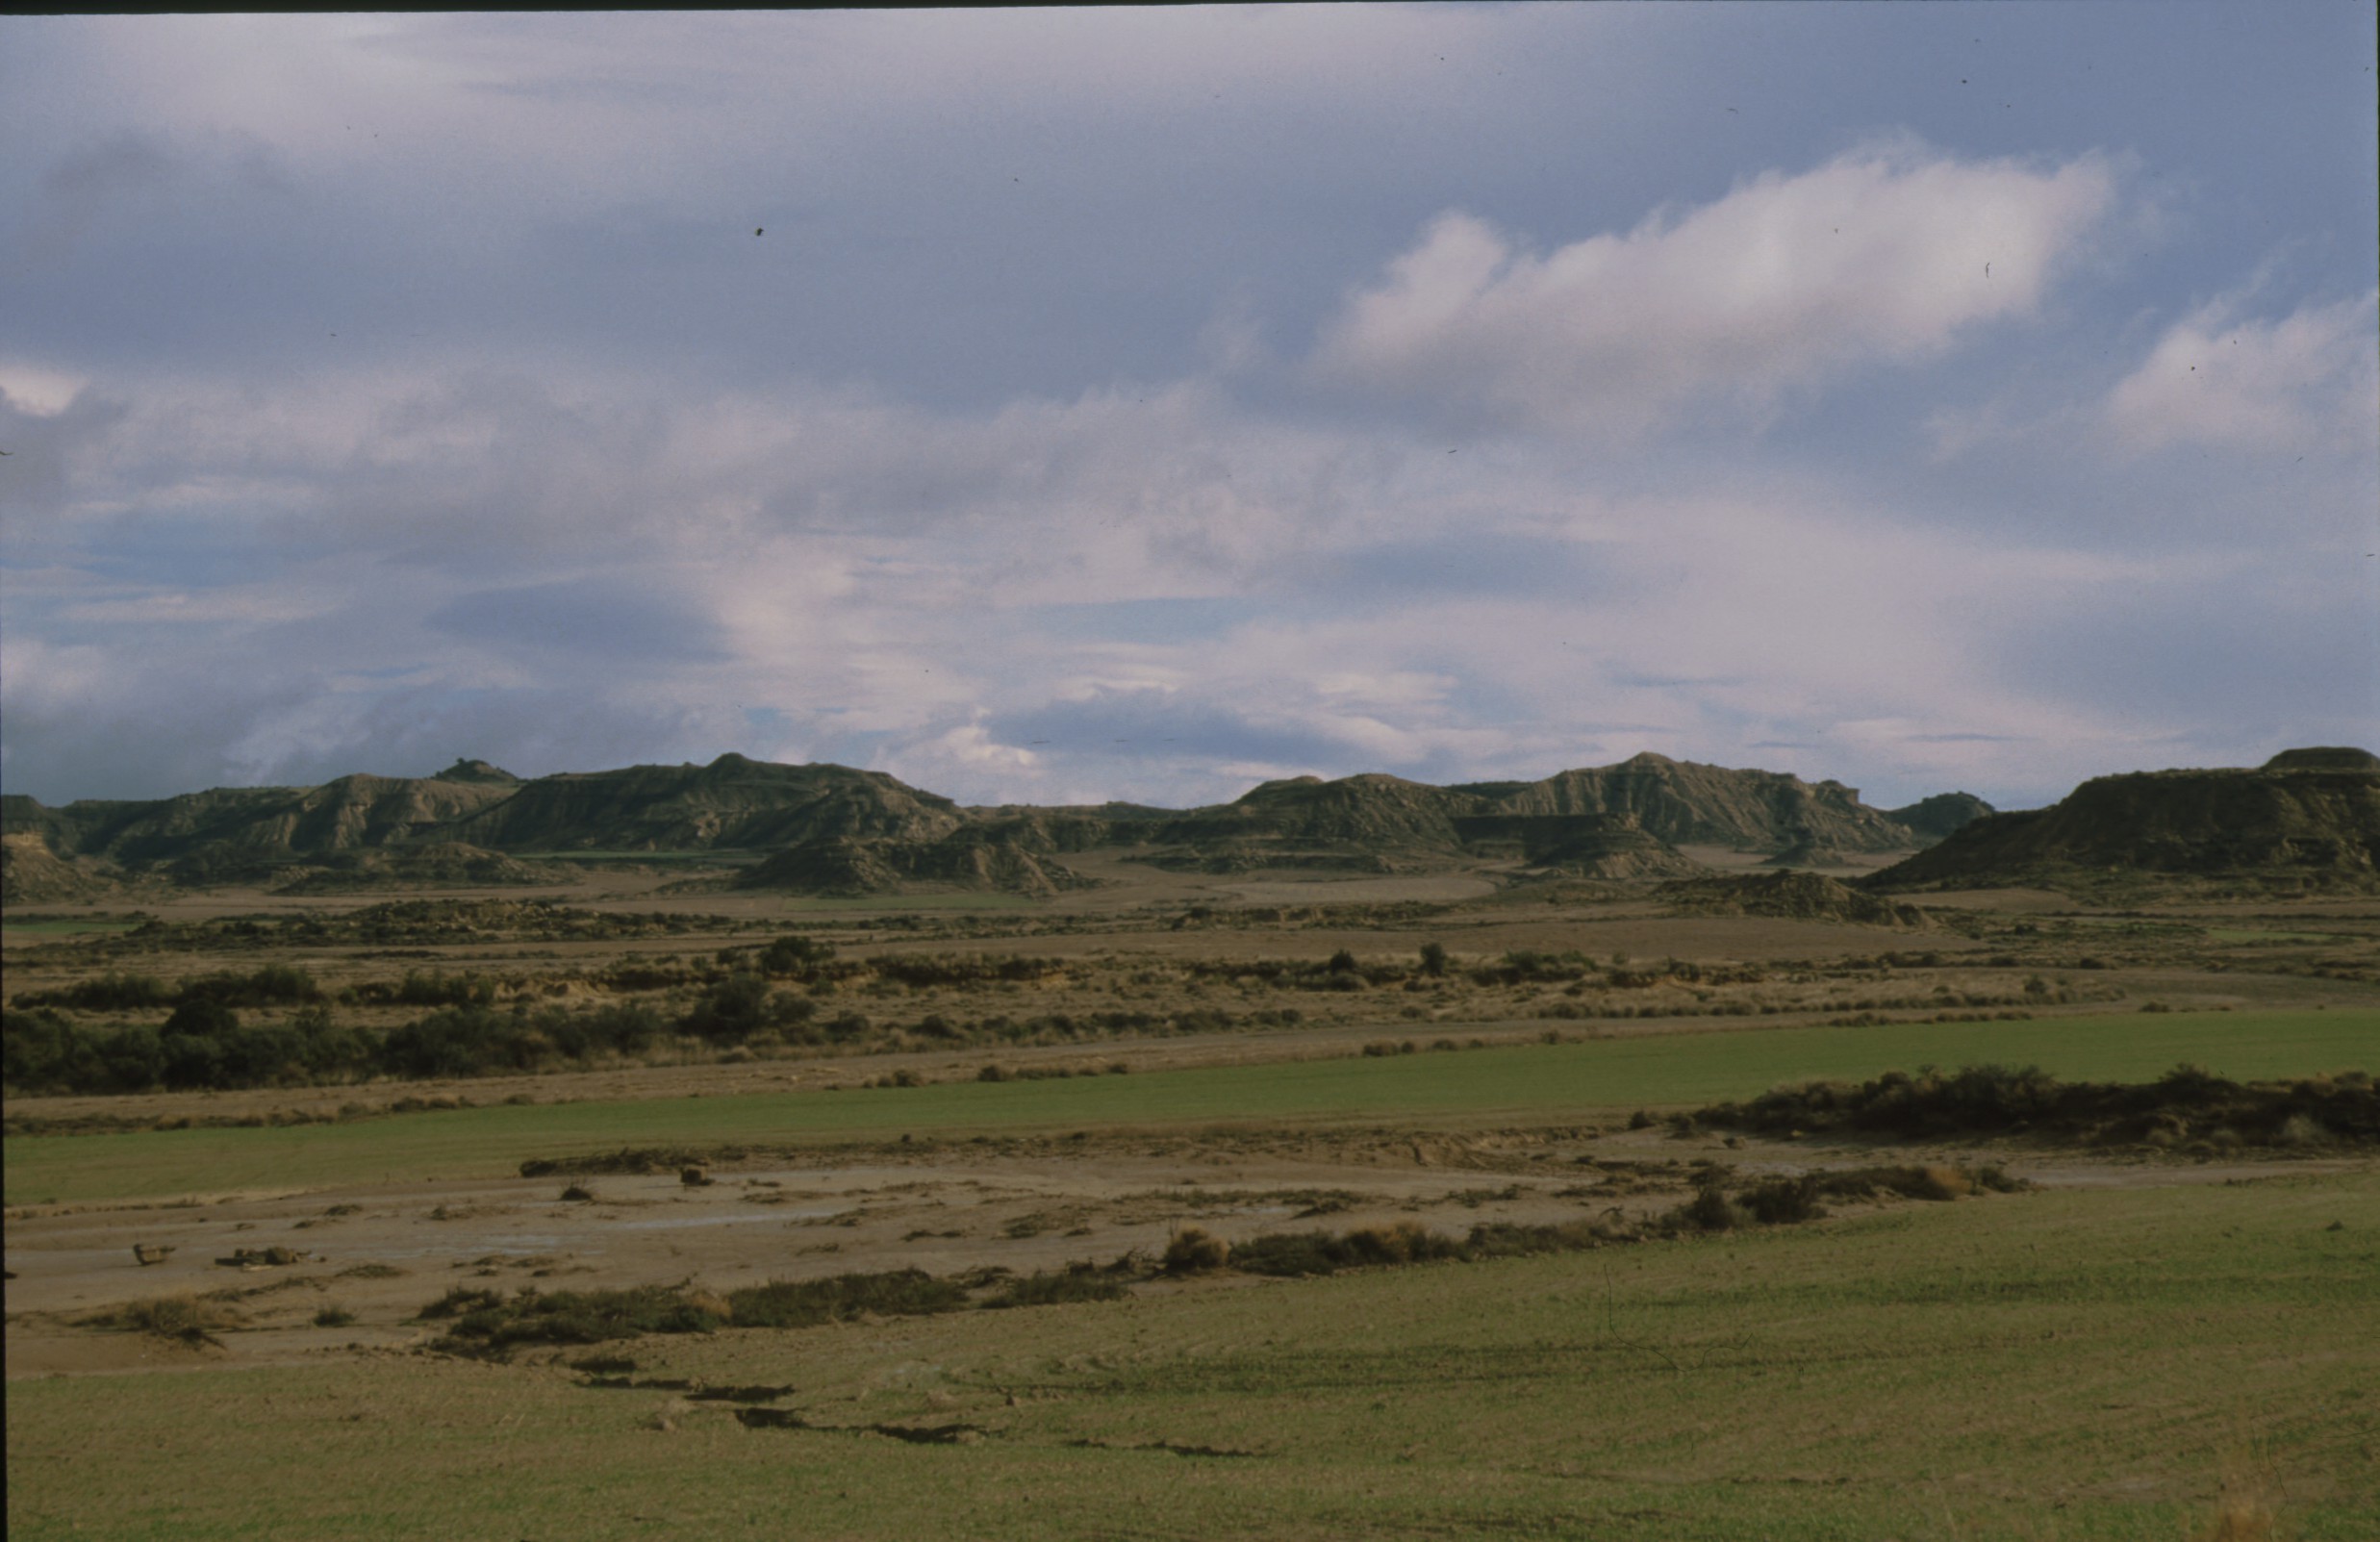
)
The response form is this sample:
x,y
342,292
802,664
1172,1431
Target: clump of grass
x,y
1506,1239
460,1299
574,1317
184,1319
1782,1202
1081,1283
1709,1210
1786,1201
632,1160
1323,1252
841,1298
275,1257
334,1317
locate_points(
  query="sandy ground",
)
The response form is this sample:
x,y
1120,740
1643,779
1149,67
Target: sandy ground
x,y
382,1252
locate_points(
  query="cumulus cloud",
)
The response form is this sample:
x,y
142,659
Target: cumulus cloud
x,y
1029,603
1882,255
2307,381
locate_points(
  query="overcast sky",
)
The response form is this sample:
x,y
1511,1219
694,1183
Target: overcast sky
x,y
1071,405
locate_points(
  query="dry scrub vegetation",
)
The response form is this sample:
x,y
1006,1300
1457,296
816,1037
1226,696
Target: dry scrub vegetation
x,y
415,990
1566,1210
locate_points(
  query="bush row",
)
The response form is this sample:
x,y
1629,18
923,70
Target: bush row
x,y
487,1324
2187,1105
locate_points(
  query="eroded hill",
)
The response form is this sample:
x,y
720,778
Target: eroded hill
x,y
2307,818
833,830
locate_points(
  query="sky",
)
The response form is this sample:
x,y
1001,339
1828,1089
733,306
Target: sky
x,y
1071,405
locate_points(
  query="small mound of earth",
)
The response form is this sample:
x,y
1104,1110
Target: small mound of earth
x,y
1791,896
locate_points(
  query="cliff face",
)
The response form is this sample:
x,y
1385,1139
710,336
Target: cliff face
x,y
2304,818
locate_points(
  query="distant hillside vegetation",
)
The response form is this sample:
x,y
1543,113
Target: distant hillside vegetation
x,y
2306,818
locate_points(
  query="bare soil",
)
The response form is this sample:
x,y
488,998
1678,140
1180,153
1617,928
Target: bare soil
x,y
380,1252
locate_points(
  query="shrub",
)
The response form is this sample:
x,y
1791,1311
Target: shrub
x,y
841,1298
796,955
1709,1210
1193,1252
1781,1202
436,989
1287,1252
575,1317
203,1017
731,1011
1937,1183
109,993
264,986
460,1299
1506,1239
458,1042
185,1318
1320,1253
1077,1284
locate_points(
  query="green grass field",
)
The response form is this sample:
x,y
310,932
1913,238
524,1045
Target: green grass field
x,y
1534,1082
2051,1367
74,926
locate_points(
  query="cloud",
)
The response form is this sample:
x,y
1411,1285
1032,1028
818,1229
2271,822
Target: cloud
x,y
81,187
1883,255
2309,381
1135,594
615,615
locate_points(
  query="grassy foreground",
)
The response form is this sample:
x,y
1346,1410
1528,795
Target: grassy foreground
x,y
2059,1365
1529,1082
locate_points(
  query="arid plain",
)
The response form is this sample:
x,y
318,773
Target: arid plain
x,y
1204,1198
